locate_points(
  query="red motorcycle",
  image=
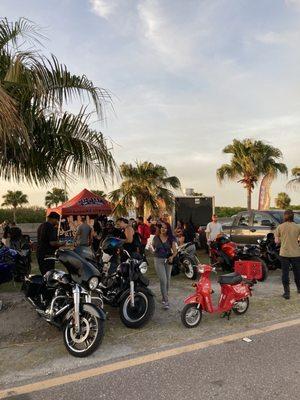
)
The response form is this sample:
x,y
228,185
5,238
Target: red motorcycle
x,y
225,254
234,296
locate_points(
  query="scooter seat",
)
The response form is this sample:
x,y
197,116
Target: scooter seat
x,y
230,279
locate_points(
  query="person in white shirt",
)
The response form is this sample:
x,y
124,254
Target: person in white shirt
x,y
213,229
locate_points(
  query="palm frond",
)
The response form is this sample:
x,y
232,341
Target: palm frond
x,y
12,32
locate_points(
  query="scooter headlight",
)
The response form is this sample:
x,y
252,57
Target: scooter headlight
x,y
93,283
143,267
201,269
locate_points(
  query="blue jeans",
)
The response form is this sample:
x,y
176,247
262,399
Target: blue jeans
x,y
163,271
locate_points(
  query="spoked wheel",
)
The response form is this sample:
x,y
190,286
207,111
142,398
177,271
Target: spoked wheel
x,y
240,307
142,311
190,269
191,315
87,341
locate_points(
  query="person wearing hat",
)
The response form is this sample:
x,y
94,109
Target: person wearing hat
x,y
288,234
47,242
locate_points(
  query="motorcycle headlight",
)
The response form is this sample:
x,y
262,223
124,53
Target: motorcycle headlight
x,y
93,283
143,267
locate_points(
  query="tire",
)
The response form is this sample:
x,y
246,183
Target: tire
x,y
265,270
243,304
78,346
175,270
186,317
142,312
190,270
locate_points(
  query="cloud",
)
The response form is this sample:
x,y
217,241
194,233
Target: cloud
x,y
293,3
277,38
103,8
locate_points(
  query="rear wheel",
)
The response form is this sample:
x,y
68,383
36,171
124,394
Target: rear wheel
x,y
191,315
241,307
190,269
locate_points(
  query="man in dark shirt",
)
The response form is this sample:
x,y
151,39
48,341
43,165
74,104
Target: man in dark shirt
x,y
15,236
47,242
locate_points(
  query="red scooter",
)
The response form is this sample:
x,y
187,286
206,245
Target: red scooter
x,y
234,296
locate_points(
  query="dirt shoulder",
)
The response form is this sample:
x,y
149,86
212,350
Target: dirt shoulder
x,y
29,347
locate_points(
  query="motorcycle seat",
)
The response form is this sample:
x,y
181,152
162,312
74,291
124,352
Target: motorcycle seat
x,y
230,279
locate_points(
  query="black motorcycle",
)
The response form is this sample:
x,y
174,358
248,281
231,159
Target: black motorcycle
x,y
269,251
186,261
64,300
123,282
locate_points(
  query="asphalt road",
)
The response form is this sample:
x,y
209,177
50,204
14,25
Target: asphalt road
x,y
266,368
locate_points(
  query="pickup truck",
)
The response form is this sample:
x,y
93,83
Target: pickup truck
x,y
247,227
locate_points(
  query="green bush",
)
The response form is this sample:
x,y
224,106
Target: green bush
x,y
24,214
293,207
224,212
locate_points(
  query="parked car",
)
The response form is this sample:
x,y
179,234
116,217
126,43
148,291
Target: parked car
x,y
249,227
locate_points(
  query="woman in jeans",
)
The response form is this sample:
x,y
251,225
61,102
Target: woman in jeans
x,y
164,252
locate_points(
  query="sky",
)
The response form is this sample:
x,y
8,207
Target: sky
x,y
186,77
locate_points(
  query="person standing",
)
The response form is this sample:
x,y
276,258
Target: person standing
x,y
165,250
178,233
47,242
15,236
288,234
213,229
6,233
127,235
144,232
83,236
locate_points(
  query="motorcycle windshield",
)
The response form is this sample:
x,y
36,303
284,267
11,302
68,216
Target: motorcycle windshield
x,y
80,269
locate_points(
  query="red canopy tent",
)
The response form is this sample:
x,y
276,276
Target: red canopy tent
x,y
85,203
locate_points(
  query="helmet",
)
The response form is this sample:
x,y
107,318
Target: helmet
x,y
111,245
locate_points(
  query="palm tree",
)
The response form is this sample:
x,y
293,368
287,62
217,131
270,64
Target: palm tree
x,y
282,200
14,199
99,193
295,181
250,160
144,185
39,140
56,196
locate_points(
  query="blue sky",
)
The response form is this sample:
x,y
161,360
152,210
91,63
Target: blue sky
x,y
187,77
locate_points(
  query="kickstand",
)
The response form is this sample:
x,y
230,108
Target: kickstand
x,y
226,314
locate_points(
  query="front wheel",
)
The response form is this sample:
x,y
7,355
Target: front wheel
x,y
241,307
88,340
190,269
138,315
191,315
